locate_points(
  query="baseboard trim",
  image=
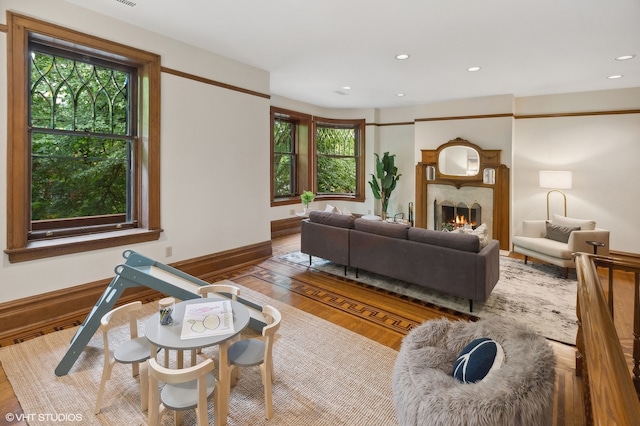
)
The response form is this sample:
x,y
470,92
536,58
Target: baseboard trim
x,y
286,226
28,315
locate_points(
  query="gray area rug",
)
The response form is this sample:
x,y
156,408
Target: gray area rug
x,y
533,294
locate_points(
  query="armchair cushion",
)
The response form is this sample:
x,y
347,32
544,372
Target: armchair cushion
x,y
584,224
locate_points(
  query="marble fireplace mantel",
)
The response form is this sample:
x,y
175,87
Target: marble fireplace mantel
x,y
486,172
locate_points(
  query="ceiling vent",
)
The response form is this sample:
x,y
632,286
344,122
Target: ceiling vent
x,y
127,2
340,92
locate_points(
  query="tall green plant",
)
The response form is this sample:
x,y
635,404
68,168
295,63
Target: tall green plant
x,y
384,181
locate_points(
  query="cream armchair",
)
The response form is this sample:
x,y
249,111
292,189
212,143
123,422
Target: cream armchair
x,y
555,241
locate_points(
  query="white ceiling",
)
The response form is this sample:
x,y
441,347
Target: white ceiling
x,y
312,48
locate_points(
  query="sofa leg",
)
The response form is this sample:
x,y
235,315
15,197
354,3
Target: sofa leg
x,y
566,273
309,260
356,272
525,259
470,305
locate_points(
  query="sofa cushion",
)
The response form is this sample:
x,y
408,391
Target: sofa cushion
x,y
477,360
584,224
393,230
560,233
331,219
456,241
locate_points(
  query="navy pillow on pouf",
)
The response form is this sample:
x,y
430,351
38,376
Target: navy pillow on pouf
x,y
477,360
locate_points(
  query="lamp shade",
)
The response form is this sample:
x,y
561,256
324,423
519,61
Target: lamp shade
x,y
555,179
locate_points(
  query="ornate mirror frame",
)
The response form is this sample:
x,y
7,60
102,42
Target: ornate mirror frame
x,y
492,174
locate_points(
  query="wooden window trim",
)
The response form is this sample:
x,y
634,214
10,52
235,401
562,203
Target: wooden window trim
x,y
303,119
360,160
18,170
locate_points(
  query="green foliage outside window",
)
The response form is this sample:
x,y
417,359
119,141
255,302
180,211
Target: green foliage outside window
x,y
80,138
336,148
283,158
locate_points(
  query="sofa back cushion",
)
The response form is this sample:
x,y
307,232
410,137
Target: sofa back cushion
x,y
386,229
450,240
332,219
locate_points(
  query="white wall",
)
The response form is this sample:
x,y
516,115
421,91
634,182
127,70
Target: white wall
x,y
214,157
602,151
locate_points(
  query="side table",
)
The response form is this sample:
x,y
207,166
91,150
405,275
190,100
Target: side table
x,y
595,245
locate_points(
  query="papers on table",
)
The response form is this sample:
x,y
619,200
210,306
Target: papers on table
x,y
207,319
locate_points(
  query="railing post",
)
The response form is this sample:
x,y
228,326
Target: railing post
x,y
636,333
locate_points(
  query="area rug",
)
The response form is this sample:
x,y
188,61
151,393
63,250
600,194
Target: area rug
x,y
534,294
325,375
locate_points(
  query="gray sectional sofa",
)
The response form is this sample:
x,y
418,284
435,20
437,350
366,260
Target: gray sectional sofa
x,y
448,262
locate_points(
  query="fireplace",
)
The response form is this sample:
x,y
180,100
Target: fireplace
x,y
450,208
478,194
449,215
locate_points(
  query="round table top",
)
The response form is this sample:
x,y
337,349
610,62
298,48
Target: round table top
x,y
168,336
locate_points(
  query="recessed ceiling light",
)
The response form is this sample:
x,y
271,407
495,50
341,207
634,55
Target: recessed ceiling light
x,y
625,57
473,69
613,77
402,56
400,95
346,87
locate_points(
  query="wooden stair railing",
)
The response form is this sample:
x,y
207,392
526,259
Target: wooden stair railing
x,y
609,392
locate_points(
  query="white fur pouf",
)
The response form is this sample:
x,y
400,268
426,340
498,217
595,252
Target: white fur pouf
x,y
520,392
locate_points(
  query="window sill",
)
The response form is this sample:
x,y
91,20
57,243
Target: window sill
x,y
296,200
79,244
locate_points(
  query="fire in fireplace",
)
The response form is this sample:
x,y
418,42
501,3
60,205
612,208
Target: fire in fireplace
x,y
452,216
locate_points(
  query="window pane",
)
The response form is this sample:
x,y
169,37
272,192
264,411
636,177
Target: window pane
x,y
78,96
77,172
336,175
283,136
77,176
282,176
283,158
336,147
336,141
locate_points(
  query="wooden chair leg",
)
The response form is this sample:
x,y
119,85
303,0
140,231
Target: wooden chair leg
x,y
266,383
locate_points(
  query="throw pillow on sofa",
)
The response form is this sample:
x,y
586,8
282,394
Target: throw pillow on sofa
x,y
482,232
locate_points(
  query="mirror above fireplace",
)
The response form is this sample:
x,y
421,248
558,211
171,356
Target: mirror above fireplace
x,y
459,160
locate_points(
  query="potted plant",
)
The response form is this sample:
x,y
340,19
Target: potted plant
x,y
307,197
384,181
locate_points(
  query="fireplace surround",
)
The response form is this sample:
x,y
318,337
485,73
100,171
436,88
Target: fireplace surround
x,y
463,174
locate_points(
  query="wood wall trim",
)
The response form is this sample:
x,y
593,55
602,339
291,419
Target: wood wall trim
x,y
214,82
466,117
515,116
30,314
579,114
400,123
290,225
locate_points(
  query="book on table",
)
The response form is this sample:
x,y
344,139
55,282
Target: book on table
x,y
207,319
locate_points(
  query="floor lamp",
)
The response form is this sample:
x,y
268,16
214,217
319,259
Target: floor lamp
x,y
555,180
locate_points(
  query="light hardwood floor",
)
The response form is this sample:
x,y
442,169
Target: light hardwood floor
x,y
378,315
